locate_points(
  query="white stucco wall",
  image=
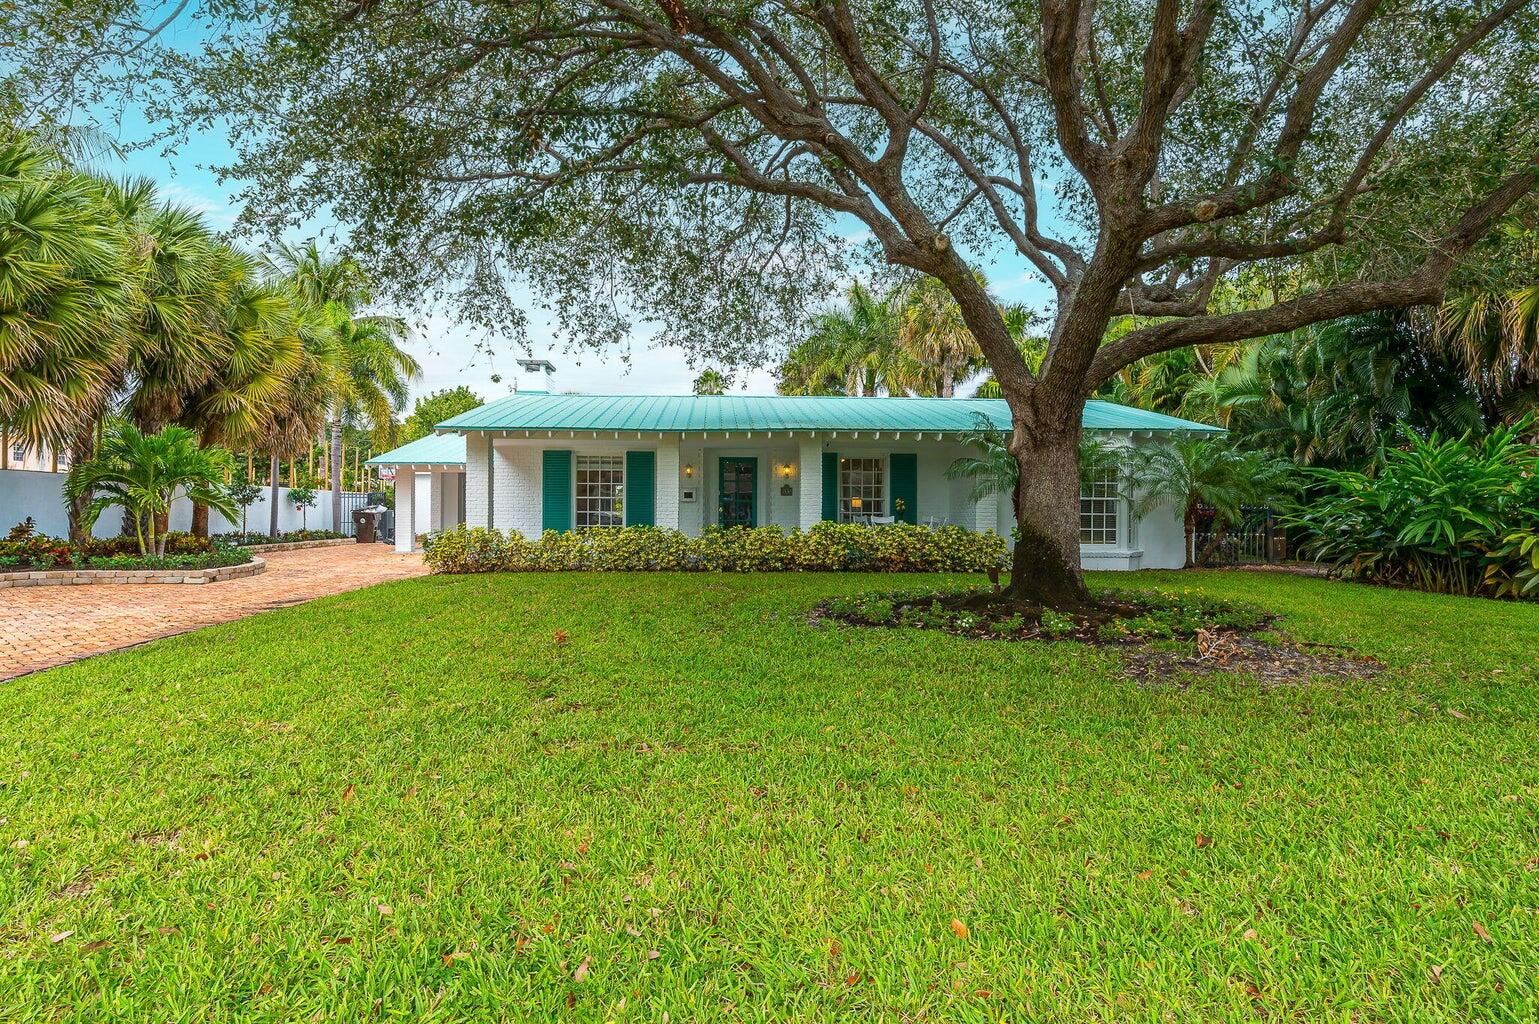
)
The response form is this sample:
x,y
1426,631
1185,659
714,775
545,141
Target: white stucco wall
x,y
26,493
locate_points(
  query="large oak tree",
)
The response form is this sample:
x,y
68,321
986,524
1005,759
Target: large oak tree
x,y
715,167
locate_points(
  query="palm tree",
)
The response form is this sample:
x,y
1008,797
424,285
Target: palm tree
x,y
937,347
144,473
299,412
374,371
1191,472
851,350
234,405
65,292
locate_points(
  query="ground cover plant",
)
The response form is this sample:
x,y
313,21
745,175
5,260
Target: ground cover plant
x,y
980,611
614,796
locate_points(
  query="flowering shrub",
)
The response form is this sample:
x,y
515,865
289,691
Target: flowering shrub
x,y
826,547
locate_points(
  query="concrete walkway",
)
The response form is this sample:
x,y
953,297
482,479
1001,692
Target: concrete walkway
x,y
41,627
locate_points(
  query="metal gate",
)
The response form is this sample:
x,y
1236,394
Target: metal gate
x,y
351,502
1257,539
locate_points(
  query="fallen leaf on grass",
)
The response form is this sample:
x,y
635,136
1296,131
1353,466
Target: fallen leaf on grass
x,y
1145,875
1480,930
450,958
582,969
1250,935
1457,714
653,954
91,947
1203,841
1437,974
958,928
59,936
560,637
384,909
347,794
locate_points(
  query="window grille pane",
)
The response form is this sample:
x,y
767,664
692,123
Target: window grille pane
x,y
600,482
1100,510
862,489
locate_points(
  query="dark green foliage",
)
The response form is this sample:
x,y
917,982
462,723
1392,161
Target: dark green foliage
x,y
432,410
1436,514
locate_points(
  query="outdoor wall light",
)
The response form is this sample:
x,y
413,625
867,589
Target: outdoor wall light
x,y
854,503
786,470
689,469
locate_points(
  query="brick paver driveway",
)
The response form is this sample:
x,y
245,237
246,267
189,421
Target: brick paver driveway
x,y
45,626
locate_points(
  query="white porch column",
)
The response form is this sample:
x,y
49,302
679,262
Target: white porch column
x,y
435,501
405,500
666,500
478,475
810,471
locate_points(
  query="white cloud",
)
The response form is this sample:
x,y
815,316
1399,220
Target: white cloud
x,y
217,212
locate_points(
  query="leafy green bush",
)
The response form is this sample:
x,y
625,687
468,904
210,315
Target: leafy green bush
x,y
826,547
467,549
1436,514
262,537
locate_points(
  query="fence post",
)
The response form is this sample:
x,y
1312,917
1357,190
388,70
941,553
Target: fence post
x,y
1270,548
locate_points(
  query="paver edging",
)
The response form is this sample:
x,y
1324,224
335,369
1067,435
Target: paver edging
x,y
126,577
300,545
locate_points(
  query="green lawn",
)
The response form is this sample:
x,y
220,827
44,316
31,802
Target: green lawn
x,y
415,802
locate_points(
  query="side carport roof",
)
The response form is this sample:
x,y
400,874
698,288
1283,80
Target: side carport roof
x,y
433,450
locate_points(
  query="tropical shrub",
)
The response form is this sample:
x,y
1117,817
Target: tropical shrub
x,y
144,473
1449,516
826,547
182,551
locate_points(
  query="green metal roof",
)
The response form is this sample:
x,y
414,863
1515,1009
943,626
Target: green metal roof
x,y
433,450
718,413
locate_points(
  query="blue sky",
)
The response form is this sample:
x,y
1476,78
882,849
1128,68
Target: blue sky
x,y
448,355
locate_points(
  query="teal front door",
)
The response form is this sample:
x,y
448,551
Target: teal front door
x,y
737,498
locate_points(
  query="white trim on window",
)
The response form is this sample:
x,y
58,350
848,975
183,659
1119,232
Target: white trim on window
x,y
1100,511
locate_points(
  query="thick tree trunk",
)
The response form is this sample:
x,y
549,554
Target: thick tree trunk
x,y
272,503
1045,568
199,520
336,473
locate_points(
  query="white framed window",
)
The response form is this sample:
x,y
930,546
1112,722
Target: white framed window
x,y
862,488
1100,510
19,452
600,486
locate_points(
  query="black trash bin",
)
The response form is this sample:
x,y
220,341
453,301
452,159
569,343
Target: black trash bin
x,y
366,525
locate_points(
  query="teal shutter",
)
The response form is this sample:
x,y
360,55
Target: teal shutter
x,y
556,490
831,486
640,488
904,467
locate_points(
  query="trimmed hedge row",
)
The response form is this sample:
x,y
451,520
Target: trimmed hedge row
x,y
826,547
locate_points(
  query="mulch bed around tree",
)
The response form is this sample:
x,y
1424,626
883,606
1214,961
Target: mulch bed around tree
x,y
1271,658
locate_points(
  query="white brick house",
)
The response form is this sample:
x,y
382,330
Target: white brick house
x,y
536,461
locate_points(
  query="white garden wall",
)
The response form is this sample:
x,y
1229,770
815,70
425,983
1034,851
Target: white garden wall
x,y
26,493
